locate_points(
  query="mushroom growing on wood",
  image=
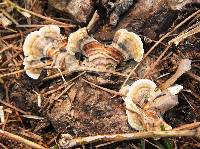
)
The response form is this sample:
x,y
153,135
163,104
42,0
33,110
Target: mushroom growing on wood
x,y
129,43
145,104
48,41
39,44
126,45
100,55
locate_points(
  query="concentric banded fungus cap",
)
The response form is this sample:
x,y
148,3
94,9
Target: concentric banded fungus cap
x,y
36,45
75,39
129,43
146,103
142,91
102,56
134,114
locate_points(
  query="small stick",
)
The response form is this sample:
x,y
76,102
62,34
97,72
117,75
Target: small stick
x,y
67,143
193,76
105,89
93,21
188,126
16,35
20,139
88,69
152,67
23,70
10,17
10,59
62,86
182,36
17,7
37,25
13,107
63,92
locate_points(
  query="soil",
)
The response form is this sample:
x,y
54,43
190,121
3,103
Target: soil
x,y
84,110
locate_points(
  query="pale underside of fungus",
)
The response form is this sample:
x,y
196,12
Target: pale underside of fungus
x,y
39,44
48,42
145,104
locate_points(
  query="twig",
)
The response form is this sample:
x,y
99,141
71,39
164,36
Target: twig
x,y
36,25
105,89
64,85
152,144
64,91
152,67
10,17
88,69
194,110
16,35
193,76
184,66
157,43
20,139
17,7
10,59
184,35
93,21
188,126
23,70
13,107
67,143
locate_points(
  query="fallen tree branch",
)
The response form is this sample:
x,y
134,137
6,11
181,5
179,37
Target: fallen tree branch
x,y
67,142
20,139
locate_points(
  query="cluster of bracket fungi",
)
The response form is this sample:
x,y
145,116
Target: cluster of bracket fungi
x,y
48,42
145,102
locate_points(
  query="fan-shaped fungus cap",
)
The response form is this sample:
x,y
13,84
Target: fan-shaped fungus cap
x,y
75,39
142,91
129,43
145,103
175,89
34,72
133,113
36,46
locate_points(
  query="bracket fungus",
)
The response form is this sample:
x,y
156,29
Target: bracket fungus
x,y
75,39
145,104
126,45
38,44
100,55
129,43
48,41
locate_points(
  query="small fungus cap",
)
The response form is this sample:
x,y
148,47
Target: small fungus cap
x,y
35,46
143,90
75,39
130,44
